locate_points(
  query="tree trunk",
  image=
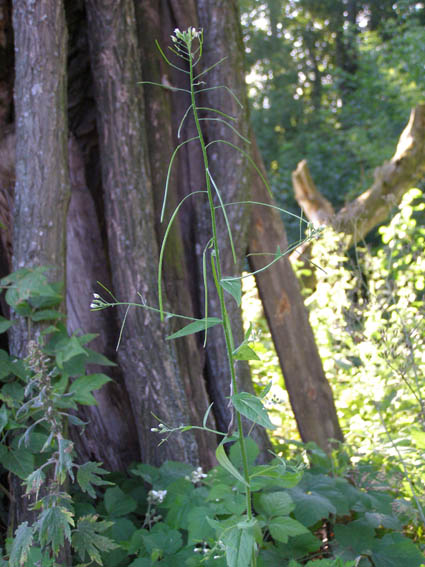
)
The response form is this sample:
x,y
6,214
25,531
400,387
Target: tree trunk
x,y
309,392
152,376
42,182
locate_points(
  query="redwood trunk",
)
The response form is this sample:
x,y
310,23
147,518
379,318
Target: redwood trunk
x,y
152,376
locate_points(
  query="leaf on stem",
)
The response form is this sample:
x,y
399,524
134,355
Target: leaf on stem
x,y
233,287
195,327
252,407
226,463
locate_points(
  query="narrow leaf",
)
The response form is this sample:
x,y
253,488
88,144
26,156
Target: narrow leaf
x,y
195,327
225,462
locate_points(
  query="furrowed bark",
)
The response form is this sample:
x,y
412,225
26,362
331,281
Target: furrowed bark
x,y
42,188
176,276
152,376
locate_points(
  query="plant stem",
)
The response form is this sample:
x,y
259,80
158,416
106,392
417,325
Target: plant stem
x,y
216,269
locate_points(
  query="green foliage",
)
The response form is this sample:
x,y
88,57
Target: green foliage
x,y
38,397
332,84
369,323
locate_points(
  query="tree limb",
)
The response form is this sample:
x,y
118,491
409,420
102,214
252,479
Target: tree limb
x,y
371,208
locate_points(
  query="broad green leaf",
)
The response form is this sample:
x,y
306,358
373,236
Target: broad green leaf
x,y
252,407
244,352
86,539
17,461
22,543
5,324
54,525
311,507
117,503
164,539
271,504
394,550
234,287
71,348
225,462
198,526
282,528
239,546
89,475
252,452
84,385
195,327
357,537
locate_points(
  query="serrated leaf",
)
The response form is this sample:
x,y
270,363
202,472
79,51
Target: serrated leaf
x,y
195,327
22,543
5,324
34,482
312,507
64,462
84,385
117,503
394,550
54,525
239,545
252,407
244,352
86,539
226,463
89,475
282,528
234,288
276,503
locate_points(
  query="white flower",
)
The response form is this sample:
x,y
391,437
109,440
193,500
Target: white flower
x,y
156,496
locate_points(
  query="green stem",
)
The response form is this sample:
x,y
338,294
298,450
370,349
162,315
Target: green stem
x,y
216,269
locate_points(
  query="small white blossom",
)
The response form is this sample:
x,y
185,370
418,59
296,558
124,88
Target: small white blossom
x,y
197,475
156,496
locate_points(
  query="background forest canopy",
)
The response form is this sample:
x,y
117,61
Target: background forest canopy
x,y
331,341
332,82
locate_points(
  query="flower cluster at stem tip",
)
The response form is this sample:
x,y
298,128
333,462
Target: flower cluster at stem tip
x,y
98,302
187,36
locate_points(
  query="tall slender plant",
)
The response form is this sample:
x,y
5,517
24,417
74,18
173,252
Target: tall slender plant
x,y
239,537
